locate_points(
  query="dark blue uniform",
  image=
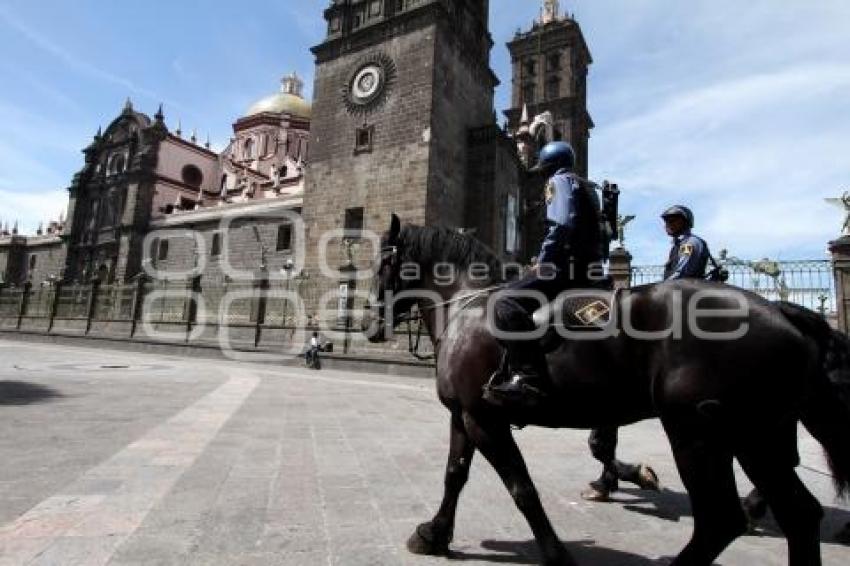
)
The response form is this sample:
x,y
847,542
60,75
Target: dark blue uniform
x,y
688,258
571,244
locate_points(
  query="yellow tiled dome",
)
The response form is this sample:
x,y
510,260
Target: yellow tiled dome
x,y
289,100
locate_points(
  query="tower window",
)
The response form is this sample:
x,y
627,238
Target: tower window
x,y
353,222
528,93
33,259
364,139
553,62
531,67
248,149
215,251
162,252
359,18
284,237
511,231
553,88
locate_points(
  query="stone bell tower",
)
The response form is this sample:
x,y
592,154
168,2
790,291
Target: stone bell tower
x,y
550,64
399,84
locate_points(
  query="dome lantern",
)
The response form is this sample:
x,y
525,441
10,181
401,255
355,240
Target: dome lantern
x,y
292,84
289,100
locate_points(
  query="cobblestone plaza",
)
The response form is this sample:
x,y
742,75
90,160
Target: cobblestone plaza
x,y
129,458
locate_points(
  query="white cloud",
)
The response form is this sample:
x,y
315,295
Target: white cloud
x,y
31,207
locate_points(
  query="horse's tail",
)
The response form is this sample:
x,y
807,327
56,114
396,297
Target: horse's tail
x,y
826,414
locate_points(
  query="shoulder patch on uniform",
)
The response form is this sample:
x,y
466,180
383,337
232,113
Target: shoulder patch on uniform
x,y
686,249
549,192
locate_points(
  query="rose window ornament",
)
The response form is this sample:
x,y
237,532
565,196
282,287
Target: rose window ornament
x,y
369,85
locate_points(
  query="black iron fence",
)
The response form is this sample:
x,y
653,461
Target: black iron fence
x,y
806,282
179,307
256,310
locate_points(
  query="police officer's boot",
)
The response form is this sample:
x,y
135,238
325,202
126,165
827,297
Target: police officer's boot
x,y
523,382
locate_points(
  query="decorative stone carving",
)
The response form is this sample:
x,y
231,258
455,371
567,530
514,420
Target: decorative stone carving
x,y
369,84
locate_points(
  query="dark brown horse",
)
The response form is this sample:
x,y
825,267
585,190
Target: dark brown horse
x,y
718,399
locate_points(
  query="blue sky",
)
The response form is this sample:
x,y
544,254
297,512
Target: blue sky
x,y
741,110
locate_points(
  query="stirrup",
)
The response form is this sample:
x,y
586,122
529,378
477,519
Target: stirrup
x,y
502,374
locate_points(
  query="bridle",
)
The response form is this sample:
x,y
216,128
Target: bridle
x,y
390,253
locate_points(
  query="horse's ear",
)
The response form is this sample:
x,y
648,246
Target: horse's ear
x,y
395,228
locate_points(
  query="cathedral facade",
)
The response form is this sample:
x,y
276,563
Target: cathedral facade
x,y
402,121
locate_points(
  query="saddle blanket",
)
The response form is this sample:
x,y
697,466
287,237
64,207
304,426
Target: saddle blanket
x,y
589,311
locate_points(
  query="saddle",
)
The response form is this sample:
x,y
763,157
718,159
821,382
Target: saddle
x,y
577,311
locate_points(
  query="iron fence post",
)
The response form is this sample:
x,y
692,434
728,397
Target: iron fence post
x,y
22,306
191,312
54,305
95,286
840,250
138,303
261,282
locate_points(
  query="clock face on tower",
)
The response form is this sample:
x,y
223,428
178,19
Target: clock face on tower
x,y
369,84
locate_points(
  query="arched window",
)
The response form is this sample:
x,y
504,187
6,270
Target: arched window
x,y
192,176
116,164
248,149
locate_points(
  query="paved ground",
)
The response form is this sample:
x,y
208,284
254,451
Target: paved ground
x,y
119,458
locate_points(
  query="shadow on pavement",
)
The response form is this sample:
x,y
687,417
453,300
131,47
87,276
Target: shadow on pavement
x,y
525,552
23,393
673,505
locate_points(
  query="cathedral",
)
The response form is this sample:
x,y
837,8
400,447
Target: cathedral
x,y
402,121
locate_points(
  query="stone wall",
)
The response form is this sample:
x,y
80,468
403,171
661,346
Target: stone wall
x,y
392,176
463,100
240,251
49,259
494,175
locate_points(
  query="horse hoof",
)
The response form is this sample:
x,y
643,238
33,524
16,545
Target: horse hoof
x,y
596,494
425,540
648,479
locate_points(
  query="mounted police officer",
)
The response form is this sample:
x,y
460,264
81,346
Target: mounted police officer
x,y
689,257
572,245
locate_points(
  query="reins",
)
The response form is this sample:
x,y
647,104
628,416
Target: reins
x,y
413,345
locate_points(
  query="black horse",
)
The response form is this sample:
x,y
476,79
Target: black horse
x,y
717,399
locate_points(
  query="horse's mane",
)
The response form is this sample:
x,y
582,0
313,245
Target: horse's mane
x,y
429,245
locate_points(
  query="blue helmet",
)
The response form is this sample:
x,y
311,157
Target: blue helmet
x,y
556,155
680,211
